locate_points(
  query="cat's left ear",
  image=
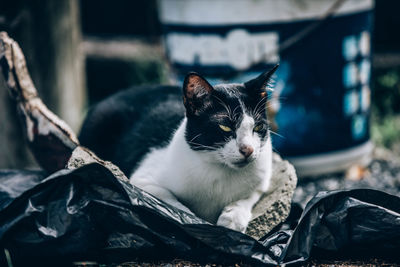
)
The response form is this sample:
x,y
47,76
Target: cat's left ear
x,y
196,93
259,84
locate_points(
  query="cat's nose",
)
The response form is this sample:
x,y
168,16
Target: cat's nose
x,y
246,150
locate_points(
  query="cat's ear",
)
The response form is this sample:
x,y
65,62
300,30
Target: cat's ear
x,y
258,85
196,92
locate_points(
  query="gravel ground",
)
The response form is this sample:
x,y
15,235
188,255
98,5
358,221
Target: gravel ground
x,y
351,263
382,174
175,263
311,263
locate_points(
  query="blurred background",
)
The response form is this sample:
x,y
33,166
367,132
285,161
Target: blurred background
x,y
339,64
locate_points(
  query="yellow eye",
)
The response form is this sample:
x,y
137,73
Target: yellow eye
x,y
258,128
225,128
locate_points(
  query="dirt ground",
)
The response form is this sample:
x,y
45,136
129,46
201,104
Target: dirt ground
x,y
311,263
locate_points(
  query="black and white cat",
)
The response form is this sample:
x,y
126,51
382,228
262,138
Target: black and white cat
x,y
215,161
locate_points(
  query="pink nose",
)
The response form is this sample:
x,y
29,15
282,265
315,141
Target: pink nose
x,y
246,150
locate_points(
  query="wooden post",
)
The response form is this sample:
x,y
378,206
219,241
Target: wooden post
x,y
49,34
53,143
57,67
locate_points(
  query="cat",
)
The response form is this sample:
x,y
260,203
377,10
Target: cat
x,y
211,155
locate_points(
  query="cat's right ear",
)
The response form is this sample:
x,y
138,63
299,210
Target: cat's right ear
x,y
257,86
196,93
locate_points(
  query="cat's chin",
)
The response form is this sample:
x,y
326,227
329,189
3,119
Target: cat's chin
x,y
240,164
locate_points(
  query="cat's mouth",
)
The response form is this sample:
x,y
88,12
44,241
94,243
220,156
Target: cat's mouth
x,y
242,163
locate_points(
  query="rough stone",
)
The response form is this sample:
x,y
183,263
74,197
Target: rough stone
x,y
274,206
83,156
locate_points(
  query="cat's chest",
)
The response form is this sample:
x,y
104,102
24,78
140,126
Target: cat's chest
x,y
198,180
206,190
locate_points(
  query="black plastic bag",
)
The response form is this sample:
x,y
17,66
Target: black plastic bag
x,y
88,214
359,223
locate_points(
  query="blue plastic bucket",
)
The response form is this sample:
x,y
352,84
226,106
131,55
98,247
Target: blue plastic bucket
x,y
321,101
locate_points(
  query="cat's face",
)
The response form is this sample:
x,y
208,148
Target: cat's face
x,y
227,121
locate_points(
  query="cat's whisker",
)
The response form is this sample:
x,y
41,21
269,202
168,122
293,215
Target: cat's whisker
x,y
228,109
220,144
202,146
195,137
223,116
259,102
234,111
259,110
275,133
259,113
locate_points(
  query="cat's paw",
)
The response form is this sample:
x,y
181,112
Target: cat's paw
x,y
235,217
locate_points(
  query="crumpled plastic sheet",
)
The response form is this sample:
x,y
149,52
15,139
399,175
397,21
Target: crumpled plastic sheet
x,y
88,214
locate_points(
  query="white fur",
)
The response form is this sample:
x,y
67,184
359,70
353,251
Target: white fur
x,y
208,183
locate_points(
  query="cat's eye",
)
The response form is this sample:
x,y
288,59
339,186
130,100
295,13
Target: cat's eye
x,y
258,128
225,128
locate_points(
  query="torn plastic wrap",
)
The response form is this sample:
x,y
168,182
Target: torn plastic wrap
x,y
88,214
358,223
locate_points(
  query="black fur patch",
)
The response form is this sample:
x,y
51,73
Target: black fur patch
x,y
126,126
